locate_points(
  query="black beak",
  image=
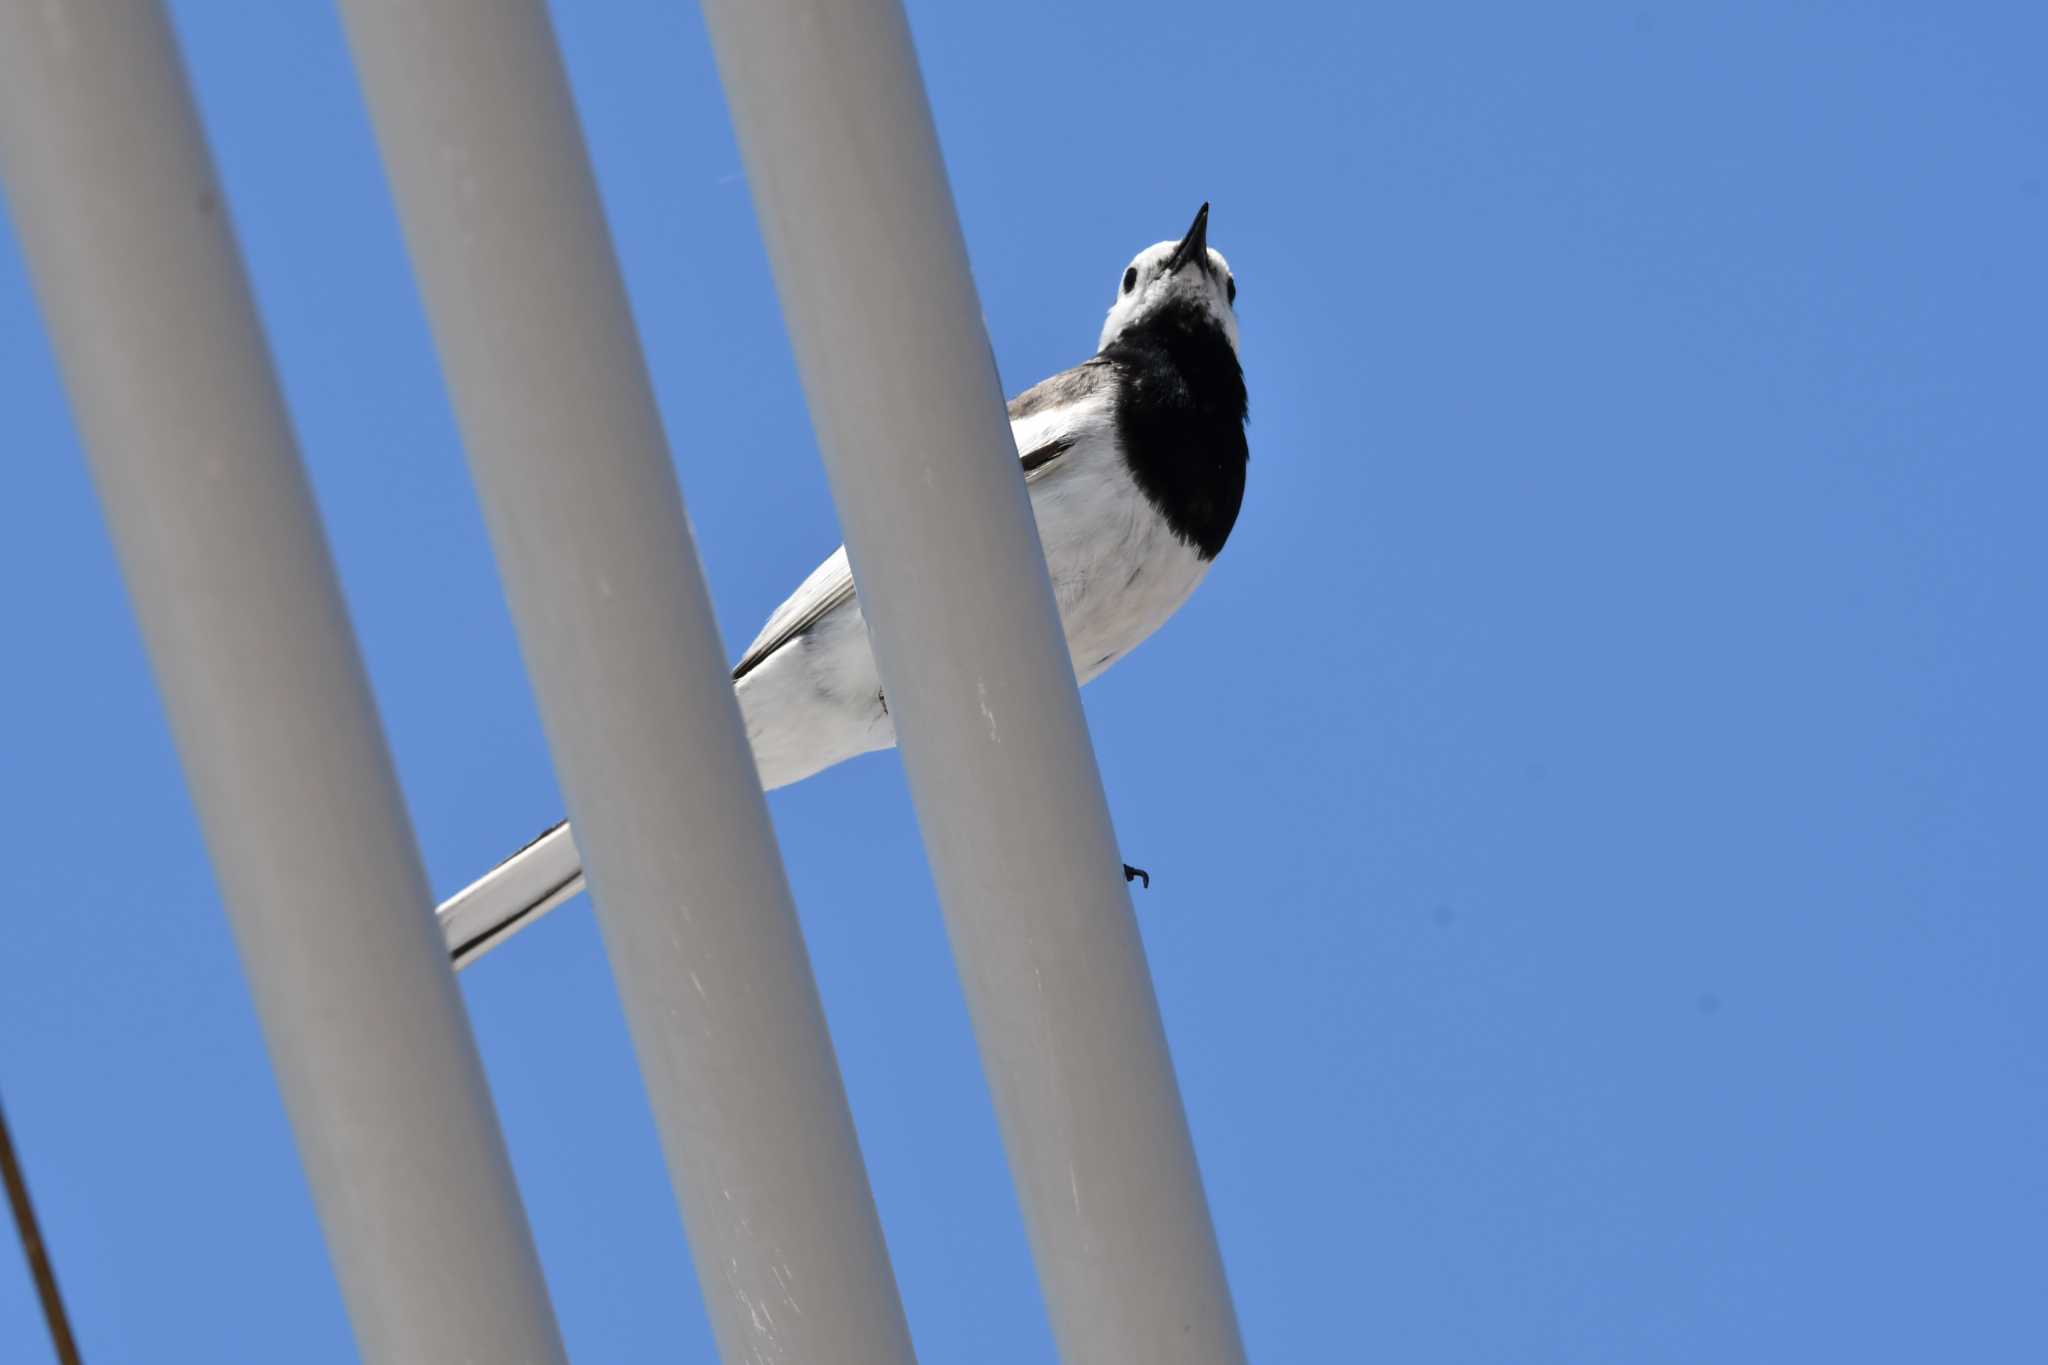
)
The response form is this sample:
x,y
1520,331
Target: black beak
x,y
1195,246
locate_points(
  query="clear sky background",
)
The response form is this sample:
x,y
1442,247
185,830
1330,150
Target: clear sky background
x,y
1595,805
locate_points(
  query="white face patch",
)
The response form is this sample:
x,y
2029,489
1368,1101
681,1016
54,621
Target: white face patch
x,y
1147,285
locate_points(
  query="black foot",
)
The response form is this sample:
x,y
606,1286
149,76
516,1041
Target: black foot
x,y
1138,874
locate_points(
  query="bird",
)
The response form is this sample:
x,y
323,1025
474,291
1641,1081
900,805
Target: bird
x,y
1135,463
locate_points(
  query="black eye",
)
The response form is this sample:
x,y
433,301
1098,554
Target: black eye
x,y
1230,288
1130,279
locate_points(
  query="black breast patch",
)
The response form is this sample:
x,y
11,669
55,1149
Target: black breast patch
x,y
1180,411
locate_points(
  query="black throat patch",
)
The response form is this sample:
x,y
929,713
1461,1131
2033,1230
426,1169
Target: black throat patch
x,y
1180,412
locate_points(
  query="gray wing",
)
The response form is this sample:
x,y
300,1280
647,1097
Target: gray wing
x,y
1065,388
830,585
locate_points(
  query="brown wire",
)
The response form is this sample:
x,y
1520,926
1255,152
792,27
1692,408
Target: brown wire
x,y
32,1247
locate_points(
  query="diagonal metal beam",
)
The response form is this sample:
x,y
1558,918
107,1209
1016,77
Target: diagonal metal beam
x,y
501,216
121,220
868,257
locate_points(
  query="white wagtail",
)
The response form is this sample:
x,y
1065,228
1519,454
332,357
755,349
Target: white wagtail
x,y
1135,462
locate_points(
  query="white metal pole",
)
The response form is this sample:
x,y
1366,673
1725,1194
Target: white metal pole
x,y
868,256
501,214
120,216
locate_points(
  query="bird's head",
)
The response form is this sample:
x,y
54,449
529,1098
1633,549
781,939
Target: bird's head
x,y
1170,276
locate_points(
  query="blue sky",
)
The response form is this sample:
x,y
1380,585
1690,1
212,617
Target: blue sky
x,y
1595,805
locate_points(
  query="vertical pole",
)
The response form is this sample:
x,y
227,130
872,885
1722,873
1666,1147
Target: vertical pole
x,y
121,220
501,215
868,257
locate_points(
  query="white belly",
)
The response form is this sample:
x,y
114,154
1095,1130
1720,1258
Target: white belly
x,y
1117,570
1117,573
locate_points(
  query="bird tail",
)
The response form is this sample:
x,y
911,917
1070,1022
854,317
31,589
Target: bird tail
x,y
511,896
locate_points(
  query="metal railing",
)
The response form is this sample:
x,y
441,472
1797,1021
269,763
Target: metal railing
x,y
228,569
